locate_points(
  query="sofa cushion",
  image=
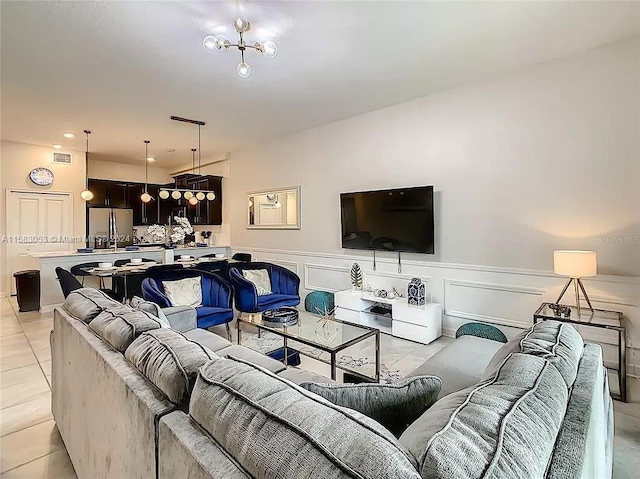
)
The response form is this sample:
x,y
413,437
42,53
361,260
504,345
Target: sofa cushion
x,y
460,364
149,307
254,357
208,339
120,326
260,278
281,430
503,427
169,360
557,342
184,292
395,406
277,298
87,303
511,346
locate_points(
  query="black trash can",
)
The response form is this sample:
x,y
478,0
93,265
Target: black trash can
x,y
28,289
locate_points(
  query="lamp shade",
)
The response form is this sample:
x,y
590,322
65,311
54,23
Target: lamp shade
x,y
575,263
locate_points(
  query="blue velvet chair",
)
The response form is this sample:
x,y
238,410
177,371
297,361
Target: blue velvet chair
x,y
216,295
285,286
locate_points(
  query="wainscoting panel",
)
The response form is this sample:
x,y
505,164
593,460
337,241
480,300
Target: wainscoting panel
x,y
491,303
326,277
290,265
505,297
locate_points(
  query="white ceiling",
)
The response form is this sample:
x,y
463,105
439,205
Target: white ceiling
x,y
122,68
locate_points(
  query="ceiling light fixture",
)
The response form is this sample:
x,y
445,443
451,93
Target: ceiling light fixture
x,y
192,196
57,147
146,197
86,193
70,135
211,43
151,159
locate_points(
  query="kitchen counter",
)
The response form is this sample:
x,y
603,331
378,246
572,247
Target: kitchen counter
x,y
101,252
51,293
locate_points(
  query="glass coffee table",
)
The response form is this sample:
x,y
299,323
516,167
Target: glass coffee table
x,y
327,335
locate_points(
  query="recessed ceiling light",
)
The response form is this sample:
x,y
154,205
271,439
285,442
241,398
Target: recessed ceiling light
x,y
68,135
151,159
57,147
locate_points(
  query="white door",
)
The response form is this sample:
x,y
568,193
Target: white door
x,y
36,223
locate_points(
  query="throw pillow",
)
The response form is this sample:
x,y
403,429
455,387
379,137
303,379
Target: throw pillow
x,y
169,360
280,430
395,406
260,278
149,307
184,292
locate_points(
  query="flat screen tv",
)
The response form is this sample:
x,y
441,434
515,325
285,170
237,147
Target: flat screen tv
x,y
388,220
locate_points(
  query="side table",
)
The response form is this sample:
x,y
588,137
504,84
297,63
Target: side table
x,y
598,318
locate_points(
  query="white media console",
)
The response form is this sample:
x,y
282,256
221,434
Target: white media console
x,y
422,324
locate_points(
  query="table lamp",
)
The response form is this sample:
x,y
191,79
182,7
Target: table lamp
x,y
575,264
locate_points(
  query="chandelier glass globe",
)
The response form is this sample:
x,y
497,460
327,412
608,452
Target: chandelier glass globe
x,y
241,25
145,197
200,196
212,43
164,194
269,49
176,195
193,200
244,70
211,196
86,195
188,195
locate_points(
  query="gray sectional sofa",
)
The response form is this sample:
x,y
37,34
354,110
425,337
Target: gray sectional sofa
x,y
133,398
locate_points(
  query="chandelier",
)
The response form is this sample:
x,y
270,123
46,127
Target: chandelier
x,y
212,43
191,195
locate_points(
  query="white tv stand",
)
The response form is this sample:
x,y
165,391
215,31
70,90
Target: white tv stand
x,y
416,323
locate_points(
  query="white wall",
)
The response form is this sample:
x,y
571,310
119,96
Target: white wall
x,y
111,170
16,161
545,158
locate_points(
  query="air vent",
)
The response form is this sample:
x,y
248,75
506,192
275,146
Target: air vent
x,y
62,158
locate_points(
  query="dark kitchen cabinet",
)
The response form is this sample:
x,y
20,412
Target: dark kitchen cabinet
x,y
206,212
144,213
108,193
118,194
99,190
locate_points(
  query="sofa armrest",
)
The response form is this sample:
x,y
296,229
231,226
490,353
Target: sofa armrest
x,y
181,318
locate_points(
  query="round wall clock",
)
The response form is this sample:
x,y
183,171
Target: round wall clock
x,y
41,176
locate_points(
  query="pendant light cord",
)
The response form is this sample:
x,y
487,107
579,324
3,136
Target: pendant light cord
x,y
146,165
86,161
199,152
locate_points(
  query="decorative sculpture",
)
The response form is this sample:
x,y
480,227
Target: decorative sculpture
x,y
356,276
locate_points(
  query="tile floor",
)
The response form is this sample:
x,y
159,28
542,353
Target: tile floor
x,y
30,446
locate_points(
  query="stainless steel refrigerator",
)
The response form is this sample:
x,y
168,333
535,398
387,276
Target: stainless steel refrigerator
x,y
111,223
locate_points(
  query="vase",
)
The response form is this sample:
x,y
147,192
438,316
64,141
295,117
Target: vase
x,y
416,292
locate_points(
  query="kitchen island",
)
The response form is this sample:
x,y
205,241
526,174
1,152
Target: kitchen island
x,y
51,293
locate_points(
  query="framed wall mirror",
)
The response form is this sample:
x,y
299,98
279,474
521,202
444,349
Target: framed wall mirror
x,y
274,209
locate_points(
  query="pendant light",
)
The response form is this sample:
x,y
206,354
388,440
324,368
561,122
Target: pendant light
x,y
146,197
187,194
86,193
210,195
